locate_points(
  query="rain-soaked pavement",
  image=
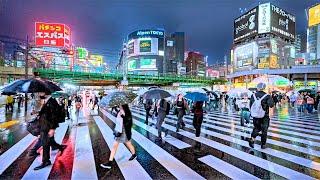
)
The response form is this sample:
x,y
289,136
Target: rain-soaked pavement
x,y
221,152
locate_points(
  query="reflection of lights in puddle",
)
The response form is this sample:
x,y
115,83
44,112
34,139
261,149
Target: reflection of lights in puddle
x,y
8,124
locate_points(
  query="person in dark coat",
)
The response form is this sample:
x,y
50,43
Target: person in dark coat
x,y
161,115
180,111
198,116
125,116
48,124
261,124
148,107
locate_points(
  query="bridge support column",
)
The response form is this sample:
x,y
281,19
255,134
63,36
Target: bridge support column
x,y
305,80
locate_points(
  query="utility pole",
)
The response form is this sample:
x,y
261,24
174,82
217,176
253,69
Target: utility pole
x,y
26,75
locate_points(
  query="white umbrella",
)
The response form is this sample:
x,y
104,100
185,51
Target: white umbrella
x,y
238,92
272,80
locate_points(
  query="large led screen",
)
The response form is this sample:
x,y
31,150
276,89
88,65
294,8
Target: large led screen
x,y
246,25
245,55
314,15
148,64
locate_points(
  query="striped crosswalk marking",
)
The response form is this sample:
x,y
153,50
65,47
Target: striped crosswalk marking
x,y
129,169
44,173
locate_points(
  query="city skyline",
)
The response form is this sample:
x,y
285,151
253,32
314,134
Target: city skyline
x,y
102,31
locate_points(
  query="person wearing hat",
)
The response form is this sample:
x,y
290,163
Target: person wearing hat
x,y
261,123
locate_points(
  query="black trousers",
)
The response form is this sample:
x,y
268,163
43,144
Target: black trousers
x,y
197,121
45,141
147,114
262,125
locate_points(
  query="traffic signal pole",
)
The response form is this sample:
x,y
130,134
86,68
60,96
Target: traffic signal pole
x,y
26,75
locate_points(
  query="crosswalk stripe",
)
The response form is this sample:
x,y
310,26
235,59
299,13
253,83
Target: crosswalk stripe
x,y
234,125
169,139
281,124
308,136
267,165
226,168
44,173
173,165
8,157
129,169
83,162
276,153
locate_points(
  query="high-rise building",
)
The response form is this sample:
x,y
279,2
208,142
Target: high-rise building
x,y
174,52
313,31
195,64
298,43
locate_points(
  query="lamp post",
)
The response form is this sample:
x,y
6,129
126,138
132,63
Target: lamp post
x,y
26,75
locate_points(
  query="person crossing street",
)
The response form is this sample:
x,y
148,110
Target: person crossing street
x,y
260,103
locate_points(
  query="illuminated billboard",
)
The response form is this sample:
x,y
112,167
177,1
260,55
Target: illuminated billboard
x,y
148,64
246,25
52,34
266,18
96,60
145,46
146,33
245,55
132,65
314,15
82,53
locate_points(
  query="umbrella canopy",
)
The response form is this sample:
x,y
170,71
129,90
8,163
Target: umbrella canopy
x,y
115,99
156,94
8,93
141,91
196,96
272,80
306,90
239,92
32,86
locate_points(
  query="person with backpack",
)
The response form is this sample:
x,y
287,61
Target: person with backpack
x,y
147,107
244,105
260,102
49,118
163,109
180,111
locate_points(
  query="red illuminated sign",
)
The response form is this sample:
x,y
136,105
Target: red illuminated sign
x,y
52,34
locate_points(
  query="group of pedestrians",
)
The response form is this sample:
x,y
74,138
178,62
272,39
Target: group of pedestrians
x,y
306,102
10,101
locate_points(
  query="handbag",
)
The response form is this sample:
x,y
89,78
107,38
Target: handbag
x,y
33,126
118,128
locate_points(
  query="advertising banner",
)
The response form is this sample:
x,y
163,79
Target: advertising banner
x,y
274,62
264,18
148,64
263,63
314,15
96,60
282,23
132,65
146,33
145,45
246,25
52,34
245,55
82,53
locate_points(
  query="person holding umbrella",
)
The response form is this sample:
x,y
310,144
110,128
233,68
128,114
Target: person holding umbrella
x,y
122,131
197,109
162,107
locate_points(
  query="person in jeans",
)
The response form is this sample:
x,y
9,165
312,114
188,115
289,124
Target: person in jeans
x,y
198,116
161,115
148,107
261,124
180,111
125,116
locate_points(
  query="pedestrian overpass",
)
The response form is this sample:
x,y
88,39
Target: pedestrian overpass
x,y
102,79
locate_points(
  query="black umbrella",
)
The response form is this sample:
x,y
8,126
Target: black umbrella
x,y
32,86
8,93
156,94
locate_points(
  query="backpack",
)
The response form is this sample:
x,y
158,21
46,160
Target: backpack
x,y
168,108
310,100
256,108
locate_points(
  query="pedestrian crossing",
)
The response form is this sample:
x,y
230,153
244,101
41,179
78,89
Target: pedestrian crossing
x,y
221,152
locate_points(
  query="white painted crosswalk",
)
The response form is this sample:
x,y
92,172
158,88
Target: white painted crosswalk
x,y
222,150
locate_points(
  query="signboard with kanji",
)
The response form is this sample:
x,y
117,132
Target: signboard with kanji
x,y
52,34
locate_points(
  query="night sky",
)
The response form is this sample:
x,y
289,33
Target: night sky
x,y
102,25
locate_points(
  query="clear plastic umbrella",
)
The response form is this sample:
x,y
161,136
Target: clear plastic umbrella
x,y
239,92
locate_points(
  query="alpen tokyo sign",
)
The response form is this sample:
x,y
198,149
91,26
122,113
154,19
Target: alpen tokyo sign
x,y
52,34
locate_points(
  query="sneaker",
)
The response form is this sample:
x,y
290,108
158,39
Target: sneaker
x,y
263,146
251,143
107,165
132,157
